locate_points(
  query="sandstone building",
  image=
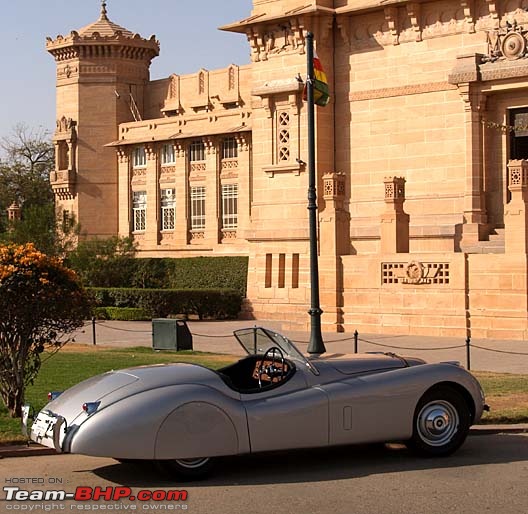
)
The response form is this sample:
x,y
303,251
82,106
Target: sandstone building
x,y
422,182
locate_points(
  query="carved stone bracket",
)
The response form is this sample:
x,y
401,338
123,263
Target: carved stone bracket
x,y
414,12
334,185
469,11
391,17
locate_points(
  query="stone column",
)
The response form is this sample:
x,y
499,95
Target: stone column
x,y
475,218
124,192
334,241
394,221
212,193
516,212
244,185
152,233
181,230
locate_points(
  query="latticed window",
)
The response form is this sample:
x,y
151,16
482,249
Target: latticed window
x,y
197,208
167,154
139,157
230,206
229,148
283,136
139,210
168,209
196,151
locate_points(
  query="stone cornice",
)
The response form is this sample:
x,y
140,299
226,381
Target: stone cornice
x,y
388,92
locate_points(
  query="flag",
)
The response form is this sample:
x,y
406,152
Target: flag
x,y
320,85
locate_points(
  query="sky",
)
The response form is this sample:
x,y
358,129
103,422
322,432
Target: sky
x,y
187,31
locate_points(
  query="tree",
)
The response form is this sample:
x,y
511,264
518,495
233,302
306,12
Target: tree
x,y
104,262
42,303
28,159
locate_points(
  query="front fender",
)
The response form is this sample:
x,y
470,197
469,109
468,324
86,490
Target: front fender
x,y
129,428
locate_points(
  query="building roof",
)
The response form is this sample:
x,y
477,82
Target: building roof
x,y
104,26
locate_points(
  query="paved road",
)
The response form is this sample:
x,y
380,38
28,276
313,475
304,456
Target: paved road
x,y
489,357
489,474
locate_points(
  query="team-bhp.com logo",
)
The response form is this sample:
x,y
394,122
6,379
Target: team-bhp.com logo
x,y
108,494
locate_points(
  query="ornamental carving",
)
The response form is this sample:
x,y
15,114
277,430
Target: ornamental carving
x,y
266,42
415,273
517,175
507,43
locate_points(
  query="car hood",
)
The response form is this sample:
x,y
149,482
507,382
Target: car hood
x,y
116,385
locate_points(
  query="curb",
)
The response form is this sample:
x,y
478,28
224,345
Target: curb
x,y
521,428
36,450
25,450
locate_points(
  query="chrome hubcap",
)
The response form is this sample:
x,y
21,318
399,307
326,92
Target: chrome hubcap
x,y
437,423
192,463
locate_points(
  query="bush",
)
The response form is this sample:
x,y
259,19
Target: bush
x,y
121,314
160,303
111,263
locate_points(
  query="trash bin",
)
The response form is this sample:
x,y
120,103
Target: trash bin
x,y
171,334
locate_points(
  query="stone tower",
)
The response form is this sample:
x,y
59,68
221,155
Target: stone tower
x,y
102,72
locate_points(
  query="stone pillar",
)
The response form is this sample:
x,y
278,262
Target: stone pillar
x,y
475,218
334,241
152,233
516,212
212,193
124,192
334,220
244,185
394,221
181,229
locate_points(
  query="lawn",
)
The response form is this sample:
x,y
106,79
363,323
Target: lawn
x,y
507,394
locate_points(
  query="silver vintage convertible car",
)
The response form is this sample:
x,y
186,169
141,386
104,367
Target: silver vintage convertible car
x,y
185,415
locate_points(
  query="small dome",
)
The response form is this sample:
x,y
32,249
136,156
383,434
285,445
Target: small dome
x,y
103,26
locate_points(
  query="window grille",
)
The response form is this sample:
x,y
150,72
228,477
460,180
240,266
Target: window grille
x,y
168,209
196,151
229,148
197,208
167,154
139,210
283,136
139,158
230,206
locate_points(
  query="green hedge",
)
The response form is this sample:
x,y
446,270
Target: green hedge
x,y
184,273
160,303
121,314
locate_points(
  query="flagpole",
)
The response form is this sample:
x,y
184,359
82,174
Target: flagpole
x,y
316,345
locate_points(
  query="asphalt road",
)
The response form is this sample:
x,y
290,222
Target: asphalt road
x,y
489,474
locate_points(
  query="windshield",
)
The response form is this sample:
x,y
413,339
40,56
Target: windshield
x,y
258,340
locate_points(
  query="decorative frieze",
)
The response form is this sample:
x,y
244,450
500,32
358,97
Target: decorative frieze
x,y
276,39
415,273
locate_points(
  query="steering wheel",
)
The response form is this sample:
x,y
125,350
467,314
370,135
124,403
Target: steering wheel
x,y
275,355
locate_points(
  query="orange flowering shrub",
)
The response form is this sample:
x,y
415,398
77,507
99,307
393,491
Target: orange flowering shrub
x,y
41,303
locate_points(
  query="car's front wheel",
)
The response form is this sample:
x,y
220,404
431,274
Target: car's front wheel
x,y
441,423
190,469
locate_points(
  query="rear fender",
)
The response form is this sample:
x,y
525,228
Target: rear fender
x,y
129,428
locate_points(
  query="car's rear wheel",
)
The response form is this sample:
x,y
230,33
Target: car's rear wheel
x,y
191,469
441,423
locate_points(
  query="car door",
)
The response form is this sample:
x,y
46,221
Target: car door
x,y
289,416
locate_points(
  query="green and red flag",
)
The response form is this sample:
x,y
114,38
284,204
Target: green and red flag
x,y
320,84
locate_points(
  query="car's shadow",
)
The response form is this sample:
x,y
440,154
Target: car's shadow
x,y
327,464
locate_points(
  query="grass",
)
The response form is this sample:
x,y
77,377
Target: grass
x,y
507,394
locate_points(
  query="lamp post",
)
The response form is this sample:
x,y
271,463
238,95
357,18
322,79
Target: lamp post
x,y
316,345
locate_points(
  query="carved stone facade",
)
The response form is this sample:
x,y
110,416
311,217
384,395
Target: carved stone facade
x,y
421,159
